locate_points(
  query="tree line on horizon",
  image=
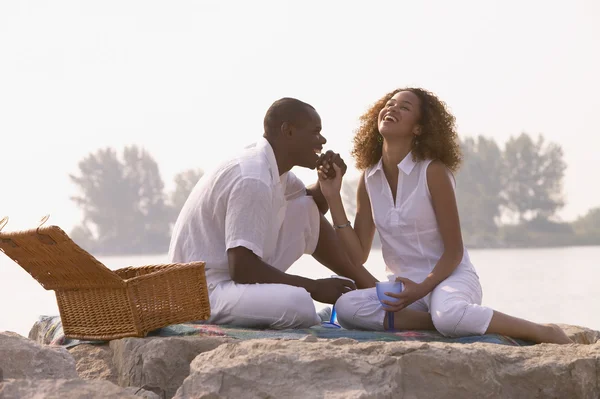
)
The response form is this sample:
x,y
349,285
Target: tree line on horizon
x,y
507,197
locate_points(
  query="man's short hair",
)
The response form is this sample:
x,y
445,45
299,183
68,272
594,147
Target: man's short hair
x,y
285,109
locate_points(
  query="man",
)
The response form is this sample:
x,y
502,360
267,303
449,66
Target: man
x,y
251,218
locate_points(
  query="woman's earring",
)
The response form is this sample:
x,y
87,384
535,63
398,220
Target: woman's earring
x,y
417,133
380,138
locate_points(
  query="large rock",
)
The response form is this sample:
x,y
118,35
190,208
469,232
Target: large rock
x,y
305,368
38,331
68,389
581,335
94,362
22,358
347,369
158,364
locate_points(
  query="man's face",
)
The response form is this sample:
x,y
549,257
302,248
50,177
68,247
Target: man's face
x,y
306,141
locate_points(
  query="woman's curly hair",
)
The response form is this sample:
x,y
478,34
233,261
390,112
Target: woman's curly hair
x,y
438,139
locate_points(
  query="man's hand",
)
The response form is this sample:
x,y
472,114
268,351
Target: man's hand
x,y
330,169
326,161
328,290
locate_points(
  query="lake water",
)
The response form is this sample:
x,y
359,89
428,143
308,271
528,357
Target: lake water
x,y
544,285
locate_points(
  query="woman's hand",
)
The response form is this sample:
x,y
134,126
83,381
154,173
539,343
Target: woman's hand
x,y
411,292
331,168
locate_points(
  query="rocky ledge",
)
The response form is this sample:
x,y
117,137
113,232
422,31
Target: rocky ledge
x,y
215,367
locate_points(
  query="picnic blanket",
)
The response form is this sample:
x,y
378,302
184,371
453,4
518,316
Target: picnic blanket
x,y
48,330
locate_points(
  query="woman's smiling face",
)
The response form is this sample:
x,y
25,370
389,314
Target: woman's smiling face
x,y
400,115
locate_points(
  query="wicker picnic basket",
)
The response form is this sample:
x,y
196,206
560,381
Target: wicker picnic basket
x,y
100,304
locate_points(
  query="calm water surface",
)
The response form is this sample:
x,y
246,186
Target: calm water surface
x,y
543,285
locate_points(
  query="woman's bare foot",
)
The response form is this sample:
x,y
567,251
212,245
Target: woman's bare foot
x,y
553,334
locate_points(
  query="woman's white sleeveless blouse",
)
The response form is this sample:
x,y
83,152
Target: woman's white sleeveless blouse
x,y
409,233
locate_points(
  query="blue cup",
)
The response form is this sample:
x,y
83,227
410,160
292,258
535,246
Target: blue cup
x,y
388,286
332,321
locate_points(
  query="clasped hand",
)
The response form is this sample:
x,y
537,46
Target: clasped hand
x,y
330,169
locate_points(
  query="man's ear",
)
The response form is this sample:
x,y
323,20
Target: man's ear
x,y
286,129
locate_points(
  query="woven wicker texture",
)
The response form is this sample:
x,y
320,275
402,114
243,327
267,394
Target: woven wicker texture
x,y
98,303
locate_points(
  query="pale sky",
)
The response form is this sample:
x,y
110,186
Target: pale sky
x,y
191,80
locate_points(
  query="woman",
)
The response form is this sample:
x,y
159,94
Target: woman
x,y
407,148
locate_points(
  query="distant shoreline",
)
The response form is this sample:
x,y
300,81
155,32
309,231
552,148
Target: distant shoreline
x,y
378,247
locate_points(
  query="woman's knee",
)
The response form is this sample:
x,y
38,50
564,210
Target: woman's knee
x,y
359,310
345,309
446,318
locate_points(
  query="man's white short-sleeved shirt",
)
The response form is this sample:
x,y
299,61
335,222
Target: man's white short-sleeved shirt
x,y
240,203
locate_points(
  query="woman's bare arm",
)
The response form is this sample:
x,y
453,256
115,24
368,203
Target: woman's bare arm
x,y
357,240
446,212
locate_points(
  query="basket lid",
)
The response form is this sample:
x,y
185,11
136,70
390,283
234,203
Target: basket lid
x,y
56,261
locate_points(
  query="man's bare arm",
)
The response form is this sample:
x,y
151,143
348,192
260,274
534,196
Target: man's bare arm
x,y
247,268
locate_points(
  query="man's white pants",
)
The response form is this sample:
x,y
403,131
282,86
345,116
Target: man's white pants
x,y
454,305
276,306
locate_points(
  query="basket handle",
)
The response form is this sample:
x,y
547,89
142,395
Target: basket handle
x,y
44,238
3,222
43,220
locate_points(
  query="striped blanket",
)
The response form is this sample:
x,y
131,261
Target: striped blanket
x,y
48,330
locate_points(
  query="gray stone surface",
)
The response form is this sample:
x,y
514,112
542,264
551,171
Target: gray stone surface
x,y
293,369
23,358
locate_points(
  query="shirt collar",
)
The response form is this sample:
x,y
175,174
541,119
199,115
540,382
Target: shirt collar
x,y
406,165
265,147
374,169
